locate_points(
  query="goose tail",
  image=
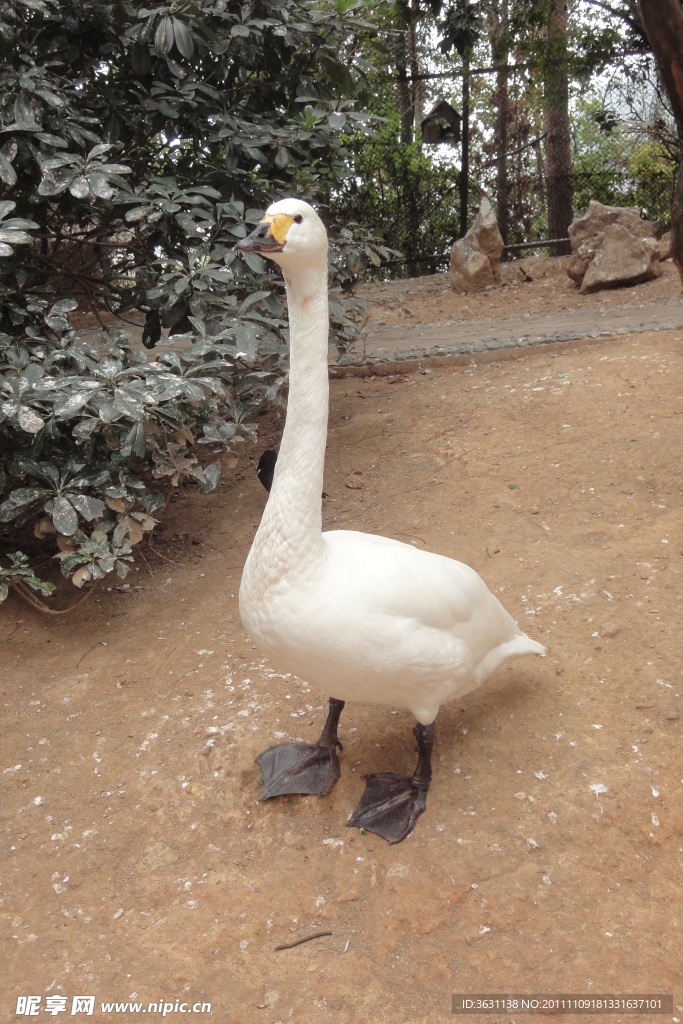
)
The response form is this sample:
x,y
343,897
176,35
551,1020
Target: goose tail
x,y
518,647
529,646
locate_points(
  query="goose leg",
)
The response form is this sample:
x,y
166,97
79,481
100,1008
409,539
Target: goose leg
x,y
391,804
307,768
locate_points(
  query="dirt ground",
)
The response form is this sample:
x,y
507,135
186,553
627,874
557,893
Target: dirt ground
x,y
137,863
532,287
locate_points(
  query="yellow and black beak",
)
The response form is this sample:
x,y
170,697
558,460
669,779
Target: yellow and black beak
x,y
269,237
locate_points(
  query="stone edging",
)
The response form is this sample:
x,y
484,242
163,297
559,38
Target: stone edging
x,y
465,352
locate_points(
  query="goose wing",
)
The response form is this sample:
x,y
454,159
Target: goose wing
x,y
398,580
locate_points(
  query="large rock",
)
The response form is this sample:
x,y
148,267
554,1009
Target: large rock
x,y
534,268
621,259
475,259
612,246
597,217
665,249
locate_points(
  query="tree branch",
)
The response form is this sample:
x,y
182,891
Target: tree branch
x,y
36,603
513,152
634,20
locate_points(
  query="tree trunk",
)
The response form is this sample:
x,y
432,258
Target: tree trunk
x,y
465,164
417,85
663,21
542,190
556,117
499,48
405,103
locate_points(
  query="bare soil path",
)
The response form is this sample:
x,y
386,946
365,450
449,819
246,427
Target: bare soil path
x,y
137,863
424,317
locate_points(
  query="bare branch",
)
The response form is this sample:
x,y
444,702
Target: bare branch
x,y
36,603
633,19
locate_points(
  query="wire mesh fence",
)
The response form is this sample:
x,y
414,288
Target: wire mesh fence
x,y
416,207
528,205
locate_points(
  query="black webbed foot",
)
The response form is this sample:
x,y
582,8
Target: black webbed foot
x,y
311,769
389,807
391,804
298,768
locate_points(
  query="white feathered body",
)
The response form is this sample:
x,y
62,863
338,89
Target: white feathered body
x,y
382,622
358,616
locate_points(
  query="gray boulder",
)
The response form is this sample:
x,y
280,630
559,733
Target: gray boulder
x,y
665,250
534,268
475,259
621,259
612,246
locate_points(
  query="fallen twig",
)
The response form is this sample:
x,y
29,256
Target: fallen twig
x,y
385,394
142,555
161,555
100,643
306,938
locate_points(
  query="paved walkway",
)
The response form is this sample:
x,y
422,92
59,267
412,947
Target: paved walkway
x,y
414,342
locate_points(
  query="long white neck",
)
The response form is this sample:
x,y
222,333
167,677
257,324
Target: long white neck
x,y
292,520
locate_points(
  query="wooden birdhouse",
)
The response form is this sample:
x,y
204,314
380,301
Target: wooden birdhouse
x,y
442,124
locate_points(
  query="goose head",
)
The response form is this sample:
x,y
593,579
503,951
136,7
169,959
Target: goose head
x,y
291,233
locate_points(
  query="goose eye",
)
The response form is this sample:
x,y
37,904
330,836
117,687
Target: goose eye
x,y
298,218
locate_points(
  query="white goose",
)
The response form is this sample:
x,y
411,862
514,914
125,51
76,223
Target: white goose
x,y
360,617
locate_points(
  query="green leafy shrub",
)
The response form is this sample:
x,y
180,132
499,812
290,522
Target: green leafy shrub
x,y
19,574
138,145
86,428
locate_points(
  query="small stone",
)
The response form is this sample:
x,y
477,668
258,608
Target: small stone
x,y
353,482
398,870
158,856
